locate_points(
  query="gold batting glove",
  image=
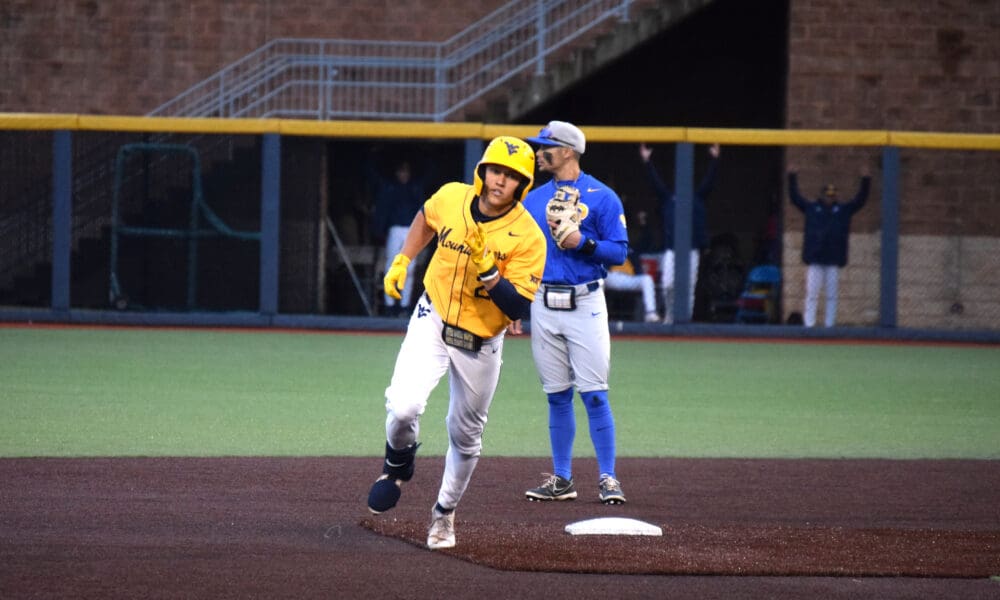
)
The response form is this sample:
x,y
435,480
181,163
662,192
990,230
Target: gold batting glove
x,y
482,256
395,277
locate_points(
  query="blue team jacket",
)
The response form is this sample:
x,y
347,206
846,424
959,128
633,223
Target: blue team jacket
x,y
699,212
828,224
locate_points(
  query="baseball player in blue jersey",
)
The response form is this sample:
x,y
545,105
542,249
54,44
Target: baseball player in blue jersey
x,y
585,226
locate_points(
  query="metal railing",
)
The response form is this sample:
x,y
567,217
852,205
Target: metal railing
x,y
342,79
380,80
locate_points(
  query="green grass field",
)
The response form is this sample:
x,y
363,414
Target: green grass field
x,y
166,392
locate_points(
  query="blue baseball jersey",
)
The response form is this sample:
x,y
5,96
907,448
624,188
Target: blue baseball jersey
x,y
602,220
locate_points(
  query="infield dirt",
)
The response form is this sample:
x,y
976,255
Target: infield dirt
x,y
298,528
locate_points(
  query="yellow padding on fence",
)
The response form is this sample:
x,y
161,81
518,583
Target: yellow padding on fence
x,y
634,134
787,137
493,130
430,130
178,124
966,141
381,129
29,121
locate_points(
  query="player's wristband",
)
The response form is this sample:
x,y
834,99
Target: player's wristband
x,y
490,274
589,247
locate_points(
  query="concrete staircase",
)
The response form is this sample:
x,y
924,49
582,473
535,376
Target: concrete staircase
x,y
649,18
31,286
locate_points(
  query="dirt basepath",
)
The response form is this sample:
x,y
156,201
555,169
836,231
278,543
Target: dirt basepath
x,y
298,528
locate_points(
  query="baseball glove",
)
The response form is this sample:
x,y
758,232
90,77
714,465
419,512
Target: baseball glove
x,y
562,213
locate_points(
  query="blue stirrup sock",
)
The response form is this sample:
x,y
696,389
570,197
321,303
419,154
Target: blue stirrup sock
x,y
562,430
602,429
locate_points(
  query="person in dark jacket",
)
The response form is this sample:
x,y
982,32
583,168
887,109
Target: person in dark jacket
x,y
397,200
824,244
699,233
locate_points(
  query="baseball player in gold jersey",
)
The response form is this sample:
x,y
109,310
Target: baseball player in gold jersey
x,y
483,275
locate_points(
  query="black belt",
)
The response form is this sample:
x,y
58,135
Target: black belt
x,y
456,336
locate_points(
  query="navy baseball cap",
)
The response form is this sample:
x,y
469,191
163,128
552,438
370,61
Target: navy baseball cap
x,y
561,133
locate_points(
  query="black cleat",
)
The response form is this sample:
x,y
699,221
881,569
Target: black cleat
x,y
384,494
397,468
553,488
611,490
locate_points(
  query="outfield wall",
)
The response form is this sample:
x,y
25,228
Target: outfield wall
x,y
897,279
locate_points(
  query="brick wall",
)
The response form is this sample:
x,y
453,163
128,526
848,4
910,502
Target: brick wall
x,y
893,64
912,66
944,281
126,57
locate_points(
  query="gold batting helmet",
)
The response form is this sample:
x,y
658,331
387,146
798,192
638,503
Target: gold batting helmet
x,y
512,153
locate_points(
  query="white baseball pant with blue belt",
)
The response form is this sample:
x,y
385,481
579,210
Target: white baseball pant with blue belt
x,y
572,348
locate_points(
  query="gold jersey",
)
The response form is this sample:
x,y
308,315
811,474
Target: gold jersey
x,y
451,279
626,268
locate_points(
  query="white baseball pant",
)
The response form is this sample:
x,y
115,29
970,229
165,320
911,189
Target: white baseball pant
x,y
616,280
571,348
472,380
826,277
667,270
393,245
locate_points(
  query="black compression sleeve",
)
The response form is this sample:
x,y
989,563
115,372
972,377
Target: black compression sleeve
x,y
512,304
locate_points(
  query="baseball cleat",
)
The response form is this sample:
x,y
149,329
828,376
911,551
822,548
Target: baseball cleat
x,y
442,531
553,488
610,490
384,494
